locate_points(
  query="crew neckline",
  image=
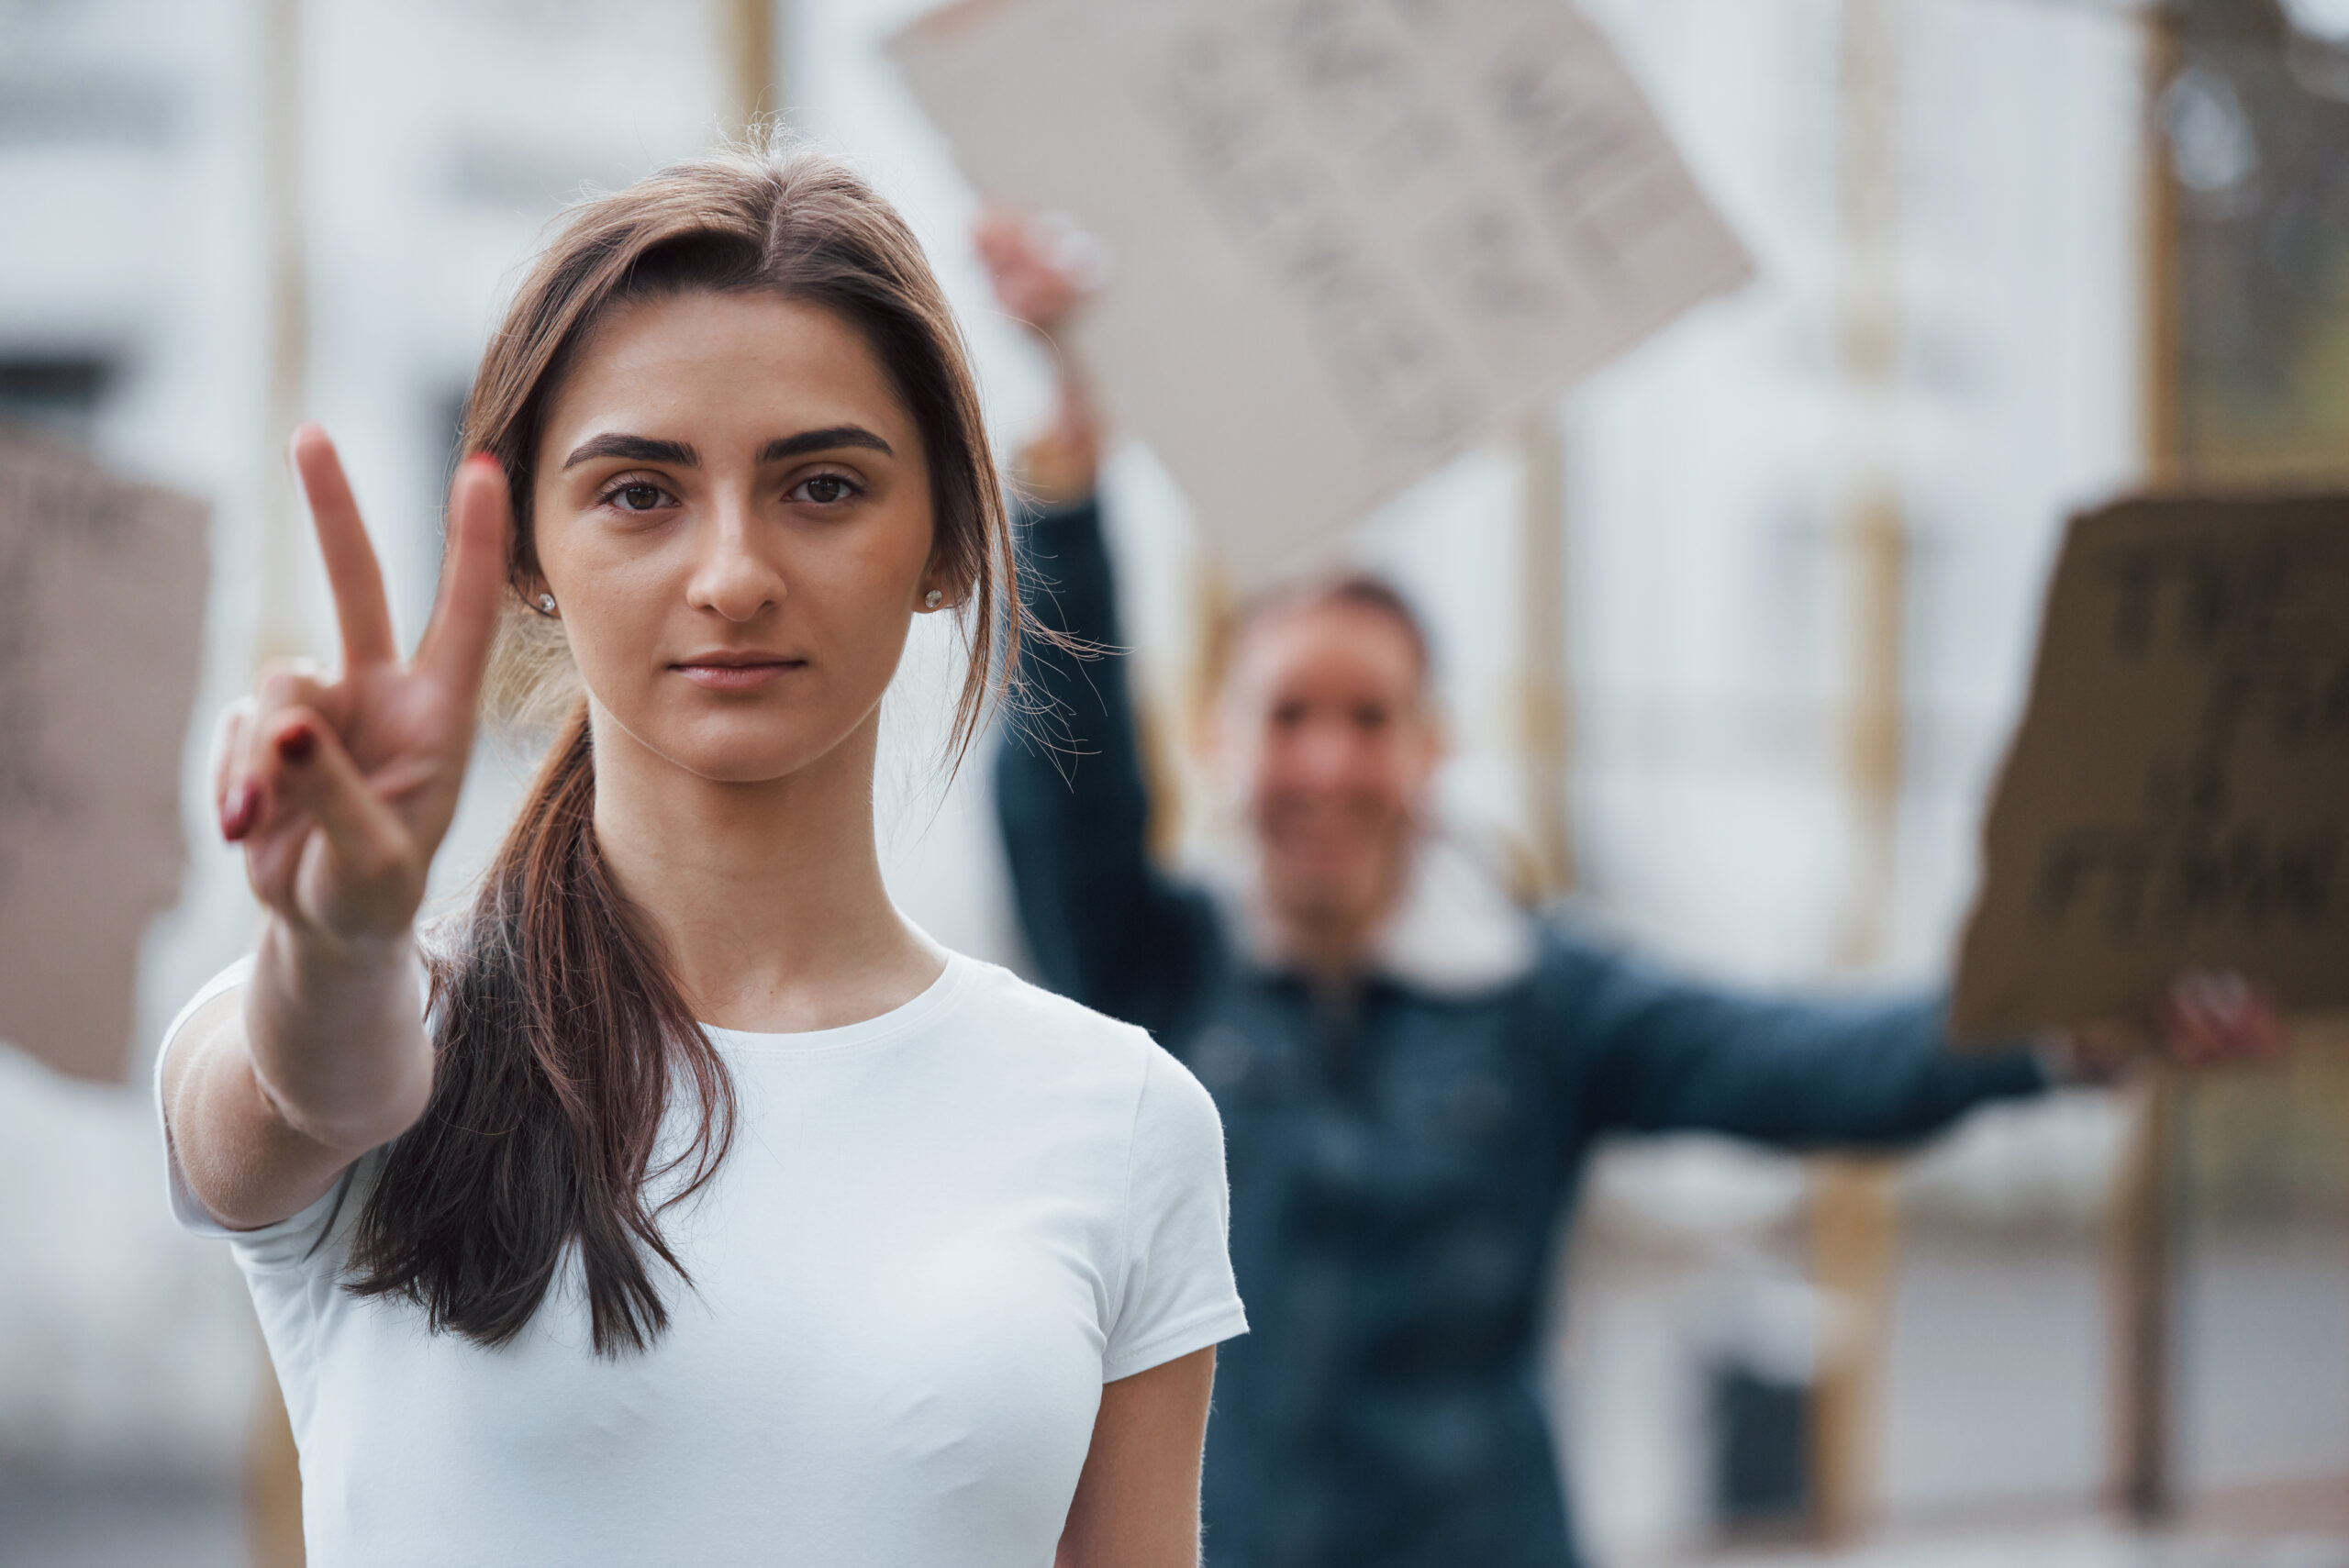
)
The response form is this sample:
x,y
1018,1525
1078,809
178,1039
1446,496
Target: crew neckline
x,y
906,1017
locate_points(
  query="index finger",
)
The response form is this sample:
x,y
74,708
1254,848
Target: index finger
x,y
473,579
360,607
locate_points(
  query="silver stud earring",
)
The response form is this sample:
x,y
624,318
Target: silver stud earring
x,y
931,598
546,604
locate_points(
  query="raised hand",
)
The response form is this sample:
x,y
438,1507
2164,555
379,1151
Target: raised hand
x,y
1040,276
342,790
1041,279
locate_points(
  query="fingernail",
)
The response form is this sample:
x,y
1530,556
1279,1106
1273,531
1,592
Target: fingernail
x,y
296,744
237,818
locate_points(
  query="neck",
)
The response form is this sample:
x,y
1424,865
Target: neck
x,y
1330,941
1328,954
767,896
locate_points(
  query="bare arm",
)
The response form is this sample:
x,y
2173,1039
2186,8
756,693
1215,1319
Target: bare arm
x,y
341,792
256,1144
1137,1501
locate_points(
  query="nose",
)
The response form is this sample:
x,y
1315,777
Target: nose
x,y
1324,754
732,576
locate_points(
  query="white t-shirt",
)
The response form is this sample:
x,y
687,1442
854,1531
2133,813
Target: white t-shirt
x,y
939,1232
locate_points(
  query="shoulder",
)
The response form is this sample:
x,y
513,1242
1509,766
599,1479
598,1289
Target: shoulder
x,y
1175,1119
1592,991
229,980
1044,1032
1576,957
1042,1020
1068,1042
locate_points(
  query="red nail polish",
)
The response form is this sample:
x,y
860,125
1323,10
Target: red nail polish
x,y
297,743
237,817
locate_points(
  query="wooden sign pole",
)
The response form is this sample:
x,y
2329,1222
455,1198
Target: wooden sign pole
x,y
1853,1217
272,1469
1546,715
2140,1272
2142,1229
746,40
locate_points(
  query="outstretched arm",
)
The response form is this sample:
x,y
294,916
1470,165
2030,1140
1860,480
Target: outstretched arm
x,y
339,792
1664,1055
1103,925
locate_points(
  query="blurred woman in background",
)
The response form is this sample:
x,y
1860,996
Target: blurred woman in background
x,y
1411,1071
682,1202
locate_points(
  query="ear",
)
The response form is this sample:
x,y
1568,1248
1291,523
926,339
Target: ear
x,y
936,578
1434,744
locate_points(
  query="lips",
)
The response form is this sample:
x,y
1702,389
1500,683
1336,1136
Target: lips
x,y
735,670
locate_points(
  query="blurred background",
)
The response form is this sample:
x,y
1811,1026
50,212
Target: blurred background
x,y
1730,643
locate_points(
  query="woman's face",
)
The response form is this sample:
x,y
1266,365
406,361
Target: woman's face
x,y
732,514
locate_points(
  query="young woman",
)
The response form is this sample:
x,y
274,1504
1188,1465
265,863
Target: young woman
x,y
684,1203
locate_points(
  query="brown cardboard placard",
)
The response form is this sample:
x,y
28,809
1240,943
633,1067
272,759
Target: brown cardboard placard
x,y
2178,794
1346,238
102,594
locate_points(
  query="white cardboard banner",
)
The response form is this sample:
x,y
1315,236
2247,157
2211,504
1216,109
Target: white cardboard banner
x,y
1347,238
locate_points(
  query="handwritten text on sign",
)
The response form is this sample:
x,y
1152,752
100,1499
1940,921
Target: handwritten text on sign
x,y
1349,237
2179,792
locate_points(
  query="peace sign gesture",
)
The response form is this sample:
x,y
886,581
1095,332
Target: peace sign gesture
x,y
340,791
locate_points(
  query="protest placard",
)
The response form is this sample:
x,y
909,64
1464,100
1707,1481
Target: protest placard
x,y
2178,794
1346,238
101,592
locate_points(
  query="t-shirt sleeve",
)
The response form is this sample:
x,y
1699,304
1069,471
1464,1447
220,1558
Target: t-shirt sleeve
x,y
287,1242
1176,1292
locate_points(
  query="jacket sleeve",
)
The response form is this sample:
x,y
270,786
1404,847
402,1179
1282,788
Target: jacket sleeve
x,y
1103,925
1660,1056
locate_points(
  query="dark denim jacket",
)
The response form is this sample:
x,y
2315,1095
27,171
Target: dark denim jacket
x,y
1400,1160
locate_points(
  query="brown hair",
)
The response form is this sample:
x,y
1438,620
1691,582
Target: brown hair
x,y
559,1032
1352,590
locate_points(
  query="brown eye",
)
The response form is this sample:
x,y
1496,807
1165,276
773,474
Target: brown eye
x,y
637,497
825,489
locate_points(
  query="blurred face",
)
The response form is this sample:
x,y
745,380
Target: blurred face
x,y
732,514
1328,737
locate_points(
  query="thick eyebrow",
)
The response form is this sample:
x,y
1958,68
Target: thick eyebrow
x,y
636,449
827,440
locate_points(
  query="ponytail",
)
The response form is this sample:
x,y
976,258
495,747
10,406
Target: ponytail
x,y
558,1034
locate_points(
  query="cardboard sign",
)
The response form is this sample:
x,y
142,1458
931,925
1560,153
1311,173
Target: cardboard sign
x,y
2178,793
101,592
1346,238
